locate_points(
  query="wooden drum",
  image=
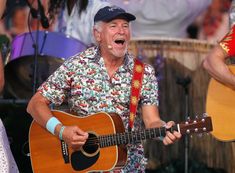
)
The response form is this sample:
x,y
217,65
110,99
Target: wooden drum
x,y
183,86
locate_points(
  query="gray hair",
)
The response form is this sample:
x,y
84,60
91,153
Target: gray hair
x,y
98,26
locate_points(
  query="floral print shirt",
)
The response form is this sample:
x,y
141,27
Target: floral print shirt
x,y
84,83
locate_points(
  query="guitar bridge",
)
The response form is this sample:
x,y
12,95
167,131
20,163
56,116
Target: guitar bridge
x,y
65,151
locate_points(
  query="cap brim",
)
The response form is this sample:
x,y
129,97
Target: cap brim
x,y
126,16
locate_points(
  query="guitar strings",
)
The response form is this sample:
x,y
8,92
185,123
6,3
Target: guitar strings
x,y
113,139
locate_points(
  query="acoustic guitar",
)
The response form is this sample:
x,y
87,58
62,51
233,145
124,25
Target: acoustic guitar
x,y
105,148
220,106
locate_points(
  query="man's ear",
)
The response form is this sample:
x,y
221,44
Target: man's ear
x,y
97,35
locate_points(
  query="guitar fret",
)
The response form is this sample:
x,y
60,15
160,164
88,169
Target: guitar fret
x,y
105,141
153,133
100,142
114,140
160,133
143,135
119,141
109,140
120,138
123,139
148,134
128,137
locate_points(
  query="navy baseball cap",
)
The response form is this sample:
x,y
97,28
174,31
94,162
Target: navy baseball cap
x,y
109,13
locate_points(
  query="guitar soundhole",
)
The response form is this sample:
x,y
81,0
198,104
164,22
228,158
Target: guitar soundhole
x,y
91,146
87,156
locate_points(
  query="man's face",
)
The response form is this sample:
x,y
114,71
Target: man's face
x,y
114,37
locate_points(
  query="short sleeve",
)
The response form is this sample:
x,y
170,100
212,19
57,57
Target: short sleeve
x,y
149,91
55,88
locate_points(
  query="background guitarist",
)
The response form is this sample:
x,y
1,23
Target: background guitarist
x,y
99,79
215,62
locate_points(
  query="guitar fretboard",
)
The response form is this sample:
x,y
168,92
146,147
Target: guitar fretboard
x,y
131,137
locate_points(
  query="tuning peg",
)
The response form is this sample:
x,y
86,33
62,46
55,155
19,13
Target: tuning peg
x,y
203,120
205,114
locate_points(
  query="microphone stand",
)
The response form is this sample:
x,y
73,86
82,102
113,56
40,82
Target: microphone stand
x,y
184,82
36,15
35,46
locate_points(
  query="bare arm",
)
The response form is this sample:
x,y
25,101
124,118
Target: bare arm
x,y
152,119
215,64
2,7
39,109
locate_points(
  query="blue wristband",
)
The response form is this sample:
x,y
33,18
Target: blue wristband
x,y
51,124
61,132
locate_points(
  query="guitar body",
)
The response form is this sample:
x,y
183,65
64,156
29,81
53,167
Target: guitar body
x,y
220,106
46,152
105,148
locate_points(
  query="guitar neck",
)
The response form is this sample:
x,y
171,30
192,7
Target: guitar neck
x,y
200,125
133,137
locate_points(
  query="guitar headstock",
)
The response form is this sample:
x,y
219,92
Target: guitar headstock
x,y
198,125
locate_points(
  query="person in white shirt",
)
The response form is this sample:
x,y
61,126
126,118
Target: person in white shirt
x,y
75,17
165,18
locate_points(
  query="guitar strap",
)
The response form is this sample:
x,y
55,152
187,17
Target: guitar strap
x,y
136,85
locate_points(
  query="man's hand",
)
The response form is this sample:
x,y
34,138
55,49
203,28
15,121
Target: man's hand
x,y
74,137
171,137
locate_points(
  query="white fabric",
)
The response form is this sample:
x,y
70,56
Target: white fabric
x,y
232,13
80,27
167,18
7,162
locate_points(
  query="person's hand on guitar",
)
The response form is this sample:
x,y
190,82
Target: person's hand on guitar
x,y
74,137
170,137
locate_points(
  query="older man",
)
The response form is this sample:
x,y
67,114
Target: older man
x,y
99,80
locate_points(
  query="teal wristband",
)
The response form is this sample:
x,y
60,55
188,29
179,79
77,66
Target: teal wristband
x,y
51,124
61,132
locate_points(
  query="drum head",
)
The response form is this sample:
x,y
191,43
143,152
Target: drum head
x,y
53,49
19,75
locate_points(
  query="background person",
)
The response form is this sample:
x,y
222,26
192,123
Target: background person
x,y
215,62
74,17
163,18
